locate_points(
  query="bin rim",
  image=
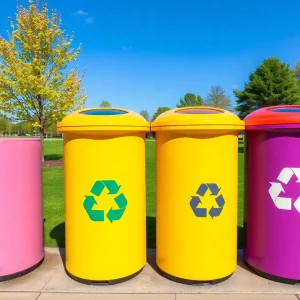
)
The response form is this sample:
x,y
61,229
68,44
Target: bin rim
x,y
103,119
274,115
197,118
15,139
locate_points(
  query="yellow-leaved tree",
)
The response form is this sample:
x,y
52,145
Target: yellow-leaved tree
x,y
36,84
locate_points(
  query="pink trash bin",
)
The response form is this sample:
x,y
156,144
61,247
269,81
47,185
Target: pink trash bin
x,y
21,207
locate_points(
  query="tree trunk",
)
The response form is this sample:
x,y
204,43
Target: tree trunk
x,y
42,139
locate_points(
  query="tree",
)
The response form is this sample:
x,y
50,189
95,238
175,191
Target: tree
x,y
190,99
28,128
273,83
297,72
14,128
24,127
105,103
159,111
145,114
3,125
218,98
52,130
35,84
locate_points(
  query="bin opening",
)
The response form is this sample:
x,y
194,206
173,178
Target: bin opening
x,y
199,111
286,109
103,112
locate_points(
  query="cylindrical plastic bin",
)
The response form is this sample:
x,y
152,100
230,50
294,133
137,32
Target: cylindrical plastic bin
x,y
272,194
196,193
105,200
21,207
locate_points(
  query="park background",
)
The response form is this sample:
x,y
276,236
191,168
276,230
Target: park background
x,y
146,56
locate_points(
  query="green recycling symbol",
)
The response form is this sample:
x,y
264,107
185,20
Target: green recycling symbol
x,y
112,214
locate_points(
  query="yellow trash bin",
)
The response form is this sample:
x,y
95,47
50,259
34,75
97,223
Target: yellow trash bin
x,y
105,200
196,193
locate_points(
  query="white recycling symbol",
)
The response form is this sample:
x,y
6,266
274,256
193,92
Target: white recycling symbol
x,y
276,189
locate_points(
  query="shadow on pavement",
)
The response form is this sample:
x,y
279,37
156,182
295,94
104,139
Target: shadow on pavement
x,y
58,234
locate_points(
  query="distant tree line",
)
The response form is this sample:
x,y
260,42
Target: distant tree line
x,y
272,83
9,127
215,98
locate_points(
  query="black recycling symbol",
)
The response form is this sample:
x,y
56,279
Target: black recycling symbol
x,y
213,211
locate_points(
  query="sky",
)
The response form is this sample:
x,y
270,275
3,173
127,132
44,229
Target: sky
x,y
141,55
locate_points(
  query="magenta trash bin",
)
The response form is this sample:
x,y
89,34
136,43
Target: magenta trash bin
x,y
272,193
21,210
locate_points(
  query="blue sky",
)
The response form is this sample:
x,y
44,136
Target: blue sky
x,y
144,54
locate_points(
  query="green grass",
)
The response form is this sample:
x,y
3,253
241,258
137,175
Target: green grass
x,y
53,149
53,194
241,196
150,193
54,198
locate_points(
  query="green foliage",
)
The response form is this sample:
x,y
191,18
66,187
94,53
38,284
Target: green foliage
x,y
297,72
3,125
273,83
35,83
24,128
190,99
52,129
218,98
27,128
145,114
159,111
12,127
105,103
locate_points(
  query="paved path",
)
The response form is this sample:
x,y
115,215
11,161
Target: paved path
x,y
50,282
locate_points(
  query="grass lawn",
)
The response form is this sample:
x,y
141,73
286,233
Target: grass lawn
x,y
54,195
53,149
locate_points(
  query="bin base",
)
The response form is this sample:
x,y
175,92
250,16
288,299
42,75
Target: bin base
x,y
21,273
191,282
103,282
272,277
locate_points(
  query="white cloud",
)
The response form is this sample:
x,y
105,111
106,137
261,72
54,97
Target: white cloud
x,y
81,13
235,86
90,20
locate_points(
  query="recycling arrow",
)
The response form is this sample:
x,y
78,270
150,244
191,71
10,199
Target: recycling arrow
x,y
214,211
297,204
95,215
220,201
202,189
284,203
199,212
99,186
287,173
97,189
280,202
211,186
116,214
112,186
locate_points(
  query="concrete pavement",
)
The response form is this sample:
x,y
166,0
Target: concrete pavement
x,y
72,296
50,282
82,296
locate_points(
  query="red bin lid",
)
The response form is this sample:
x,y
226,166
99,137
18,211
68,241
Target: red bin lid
x,y
272,115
